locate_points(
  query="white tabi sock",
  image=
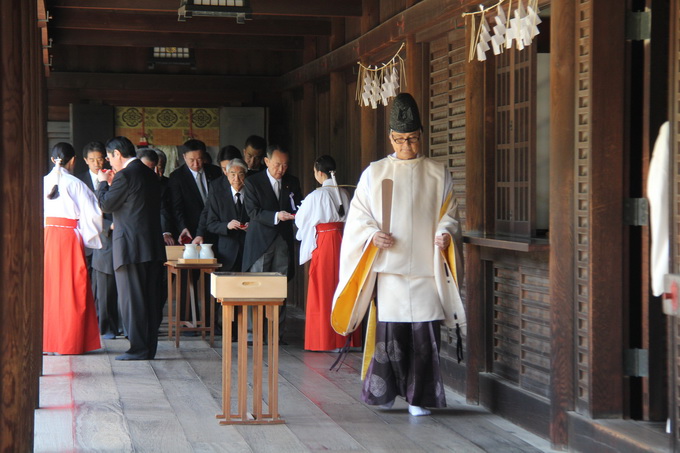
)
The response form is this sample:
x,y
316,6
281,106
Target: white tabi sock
x,y
418,411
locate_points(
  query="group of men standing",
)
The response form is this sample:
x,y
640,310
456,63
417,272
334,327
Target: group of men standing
x,y
249,220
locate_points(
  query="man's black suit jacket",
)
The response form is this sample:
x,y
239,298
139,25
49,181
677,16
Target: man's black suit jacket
x,y
134,198
262,206
187,203
221,210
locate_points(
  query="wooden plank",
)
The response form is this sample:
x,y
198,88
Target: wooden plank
x,y
152,423
72,37
561,261
606,203
330,8
475,192
194,405
99,421
133,82
54,418
131,22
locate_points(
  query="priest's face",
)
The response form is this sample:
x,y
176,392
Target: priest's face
x,y
406,145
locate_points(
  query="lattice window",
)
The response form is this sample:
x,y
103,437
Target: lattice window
x,y
515,132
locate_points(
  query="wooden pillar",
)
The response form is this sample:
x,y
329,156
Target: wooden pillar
x,y
562,48
22,164
607,114
475,89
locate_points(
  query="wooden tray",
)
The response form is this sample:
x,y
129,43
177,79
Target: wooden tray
x,y
197,261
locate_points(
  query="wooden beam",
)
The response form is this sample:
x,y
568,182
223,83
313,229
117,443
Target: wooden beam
x,y
192,40
157,82
22,127
475,89
127,21
394,30
561,261
319,8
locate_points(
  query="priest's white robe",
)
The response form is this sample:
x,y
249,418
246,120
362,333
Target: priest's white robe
x,y
415,281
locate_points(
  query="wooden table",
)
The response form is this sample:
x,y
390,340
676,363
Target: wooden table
x,y
198,320
261,307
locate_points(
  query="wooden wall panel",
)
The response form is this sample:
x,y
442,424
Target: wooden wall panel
x,y
520,323
447,109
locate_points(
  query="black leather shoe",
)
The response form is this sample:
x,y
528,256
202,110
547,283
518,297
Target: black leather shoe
x,y
127,356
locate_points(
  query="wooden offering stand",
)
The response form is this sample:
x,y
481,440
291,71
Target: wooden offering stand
x,y
265,292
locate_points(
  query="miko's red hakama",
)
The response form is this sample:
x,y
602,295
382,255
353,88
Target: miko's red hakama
x,y
70,321
323,278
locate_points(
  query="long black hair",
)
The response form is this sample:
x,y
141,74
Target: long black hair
x,y
62,153
325,164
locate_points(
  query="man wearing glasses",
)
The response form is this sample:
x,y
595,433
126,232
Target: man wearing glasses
x,y
408,270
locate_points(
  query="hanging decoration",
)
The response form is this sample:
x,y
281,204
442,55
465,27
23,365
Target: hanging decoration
x,y
520,30
376,85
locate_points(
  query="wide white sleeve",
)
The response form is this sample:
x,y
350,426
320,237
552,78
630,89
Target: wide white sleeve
x,y
659,202
90,220
306,220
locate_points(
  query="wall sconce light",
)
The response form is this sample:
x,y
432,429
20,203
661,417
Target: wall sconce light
x,y
239,9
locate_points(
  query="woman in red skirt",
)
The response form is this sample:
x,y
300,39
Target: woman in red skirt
x,y
73,221
320,221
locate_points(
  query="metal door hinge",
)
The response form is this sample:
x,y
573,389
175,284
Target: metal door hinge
x,y
639,25
636,211
636,362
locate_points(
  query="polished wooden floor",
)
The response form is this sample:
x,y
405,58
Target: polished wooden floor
x,y
92,402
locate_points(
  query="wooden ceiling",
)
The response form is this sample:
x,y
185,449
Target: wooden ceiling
x,y
98,37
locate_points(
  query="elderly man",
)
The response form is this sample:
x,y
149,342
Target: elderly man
x,y
409,267
227,217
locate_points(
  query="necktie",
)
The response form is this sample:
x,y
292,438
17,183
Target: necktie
x,y
278,189
201,188
239,206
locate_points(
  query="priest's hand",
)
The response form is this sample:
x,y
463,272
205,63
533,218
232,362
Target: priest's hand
x,y
383,240
442,241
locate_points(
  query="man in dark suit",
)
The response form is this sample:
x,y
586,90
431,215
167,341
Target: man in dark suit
x,y
100,261
272,198
189,189
94,155
133,196
227,217
253,152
